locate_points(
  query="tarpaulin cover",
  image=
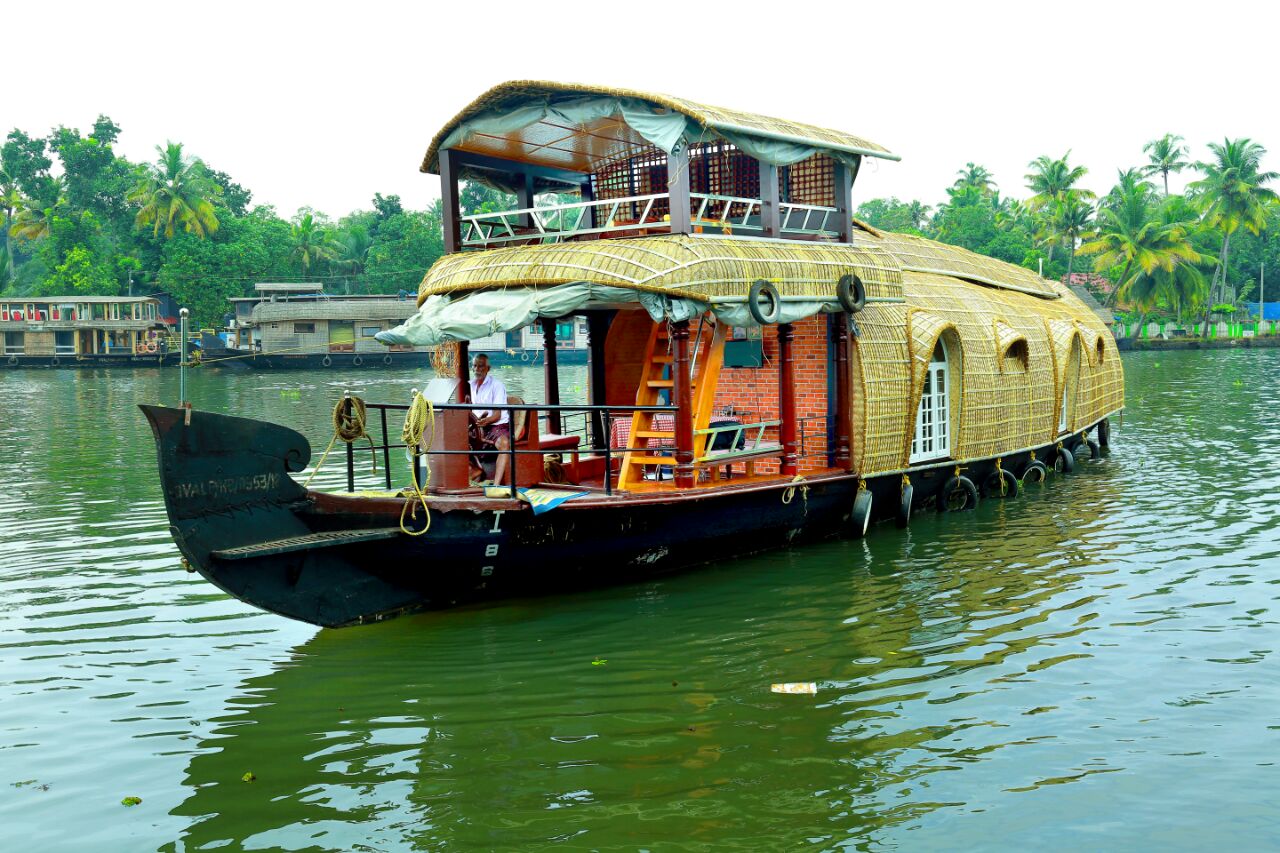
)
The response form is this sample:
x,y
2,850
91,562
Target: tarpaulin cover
x,y
1270,310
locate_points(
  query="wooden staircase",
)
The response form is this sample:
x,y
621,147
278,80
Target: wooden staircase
x,y
706,347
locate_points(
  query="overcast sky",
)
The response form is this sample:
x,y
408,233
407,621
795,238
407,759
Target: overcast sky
x,y
324,104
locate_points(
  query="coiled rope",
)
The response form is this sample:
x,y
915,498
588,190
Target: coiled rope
x,y
348,425
419,421
789,494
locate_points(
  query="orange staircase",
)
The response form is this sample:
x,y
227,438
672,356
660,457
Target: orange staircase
x,y
706,347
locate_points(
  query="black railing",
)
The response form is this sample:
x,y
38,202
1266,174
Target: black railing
x,y
605,413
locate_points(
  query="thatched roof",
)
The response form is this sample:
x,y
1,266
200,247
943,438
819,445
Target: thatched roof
x,y
546,143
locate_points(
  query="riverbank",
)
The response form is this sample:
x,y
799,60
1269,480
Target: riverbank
x,y
1188,343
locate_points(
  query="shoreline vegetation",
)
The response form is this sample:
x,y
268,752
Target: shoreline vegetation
x,y
80,219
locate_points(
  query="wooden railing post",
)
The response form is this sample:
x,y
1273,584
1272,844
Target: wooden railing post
x,y
844,397
787,400
551,375
451,201
844,202
678,187
770,214
597,333
682,391
464,371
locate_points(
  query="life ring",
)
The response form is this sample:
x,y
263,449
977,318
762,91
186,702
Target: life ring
x,y
904,505
851,294
524,356
1104,433
326,361
1035,472
1064,462
13,359
768,313
56,362
357,361
149,346
1000,484
860,518
958,494
386,359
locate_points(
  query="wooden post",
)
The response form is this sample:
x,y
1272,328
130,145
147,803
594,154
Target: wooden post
x,y
844,397
770,214
551,380
682,393
678,187
597,333
464,371
524,198
787,400
844,202
588,194
451,201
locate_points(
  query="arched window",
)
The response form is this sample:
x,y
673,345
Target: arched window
x,y
933,419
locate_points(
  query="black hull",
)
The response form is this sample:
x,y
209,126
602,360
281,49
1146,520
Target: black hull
x,y
243,359
227,486
68,362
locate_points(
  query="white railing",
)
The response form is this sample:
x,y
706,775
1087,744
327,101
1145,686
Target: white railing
x,y
554,223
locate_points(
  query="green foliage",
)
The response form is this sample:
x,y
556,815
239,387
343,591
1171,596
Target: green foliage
x,y
407,245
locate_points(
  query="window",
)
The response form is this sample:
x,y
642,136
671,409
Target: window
x,y
933,419
64,343
14,343
1062,418
369,331
303,328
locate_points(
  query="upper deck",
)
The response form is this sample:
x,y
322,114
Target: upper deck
x,y
590,163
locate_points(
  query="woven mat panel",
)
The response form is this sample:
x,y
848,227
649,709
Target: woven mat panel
x,y
882,379
697,267
917,253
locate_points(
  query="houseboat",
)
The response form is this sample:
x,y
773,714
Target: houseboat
x,y
298,325
893,373
85,331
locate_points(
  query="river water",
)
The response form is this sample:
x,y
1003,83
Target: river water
x,y
1092,665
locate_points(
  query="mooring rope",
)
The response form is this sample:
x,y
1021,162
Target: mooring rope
x,y
789,493
419,421
349,427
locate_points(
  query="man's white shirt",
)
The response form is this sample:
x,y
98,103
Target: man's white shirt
x,y
493,392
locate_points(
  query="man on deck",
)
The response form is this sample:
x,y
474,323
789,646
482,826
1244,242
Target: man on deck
x,y
490,427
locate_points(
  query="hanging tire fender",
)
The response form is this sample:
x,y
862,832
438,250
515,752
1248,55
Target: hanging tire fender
x,y
904,505
1104,433
764,303
958,487
1000,484
1064,462
386,359
860,519
326,361
851,294
357,361
1035,472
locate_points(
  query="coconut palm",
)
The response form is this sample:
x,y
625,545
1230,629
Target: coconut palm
x,y
1130,183
1051,179
351,251
176,191
1167,154
917,213
975,176
311,243
10,199
1232,195
1072,216
33,217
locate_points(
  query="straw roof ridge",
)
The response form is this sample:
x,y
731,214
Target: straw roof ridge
x,y
704,114
920,254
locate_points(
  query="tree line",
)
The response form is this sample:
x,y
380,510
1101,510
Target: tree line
x,y
1150,251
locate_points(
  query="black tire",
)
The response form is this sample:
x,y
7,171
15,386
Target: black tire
x,y
767,314
1035,472
56,362
860,520
991,486
386,359
1064,462
958,495
13,359
851,294
904,505
1104,433
1095,449
357,361
326,361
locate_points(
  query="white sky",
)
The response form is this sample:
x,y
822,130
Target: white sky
x,y
324,104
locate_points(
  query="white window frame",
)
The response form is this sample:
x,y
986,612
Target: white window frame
x,y
1062,416
932,437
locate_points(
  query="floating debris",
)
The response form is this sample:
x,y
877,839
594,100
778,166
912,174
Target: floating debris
x,y
801,687
599,662
248,777
131,801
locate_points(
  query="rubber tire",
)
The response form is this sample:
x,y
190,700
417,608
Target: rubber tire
x,y
1104,433
860,519
56,362
1064,462
326,361
1095,449
960,483
767,290
851,293
357,361
904,505
386,359
1041,471
991,485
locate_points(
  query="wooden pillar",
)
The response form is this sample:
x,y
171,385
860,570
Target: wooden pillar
x,y
588,194
597,332
551,381
452,202
787,400
678,187
844,202
770,213
844,395
464,371
524,198
682,398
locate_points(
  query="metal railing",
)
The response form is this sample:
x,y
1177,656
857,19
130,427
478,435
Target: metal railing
x,y
606,415
554,223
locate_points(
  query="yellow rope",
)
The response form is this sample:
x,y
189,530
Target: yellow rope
x,y
419,421
790,493
349,428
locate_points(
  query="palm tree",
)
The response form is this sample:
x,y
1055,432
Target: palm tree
x,y
351,251
311,243
1072,216
1129,183
1167,154
1051,180
34,216
975,176
176,191
10,199
1232,195
917,213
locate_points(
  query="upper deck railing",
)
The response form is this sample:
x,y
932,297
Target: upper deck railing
x,y
636,215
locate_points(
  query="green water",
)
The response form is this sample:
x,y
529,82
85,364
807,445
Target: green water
x,y
1090,666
